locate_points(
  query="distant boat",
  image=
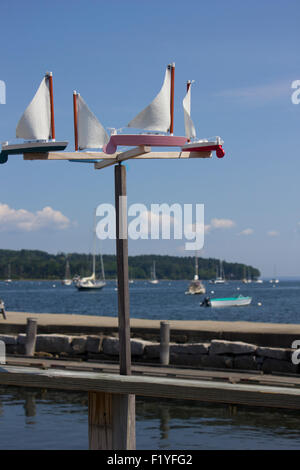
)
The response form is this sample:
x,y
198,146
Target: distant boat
x,y
220,277
259,281
67,281
36,125
8,273
203,145
275,280
90,282
226,302
196,286
247,280
153,279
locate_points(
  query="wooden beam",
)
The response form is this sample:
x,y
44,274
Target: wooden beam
x,y
111,159
202,390
135,152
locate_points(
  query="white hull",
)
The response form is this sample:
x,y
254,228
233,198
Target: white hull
x,y
67,282
231,302
90,285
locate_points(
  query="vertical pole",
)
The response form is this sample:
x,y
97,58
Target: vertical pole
x,y
122,269
188,84
50,81
31,331
172,98
75,120
164,343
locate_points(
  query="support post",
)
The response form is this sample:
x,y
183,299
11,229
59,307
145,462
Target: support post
x,y
112,416
31,331
164,343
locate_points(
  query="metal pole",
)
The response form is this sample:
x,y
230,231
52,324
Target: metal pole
x,y
49,76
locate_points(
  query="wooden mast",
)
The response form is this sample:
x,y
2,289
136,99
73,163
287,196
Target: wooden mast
x,y
172,67
50,81
75,120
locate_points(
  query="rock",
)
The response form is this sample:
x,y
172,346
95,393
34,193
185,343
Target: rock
x,y
185,359
274,365
152,351
274,353
218,362
9,339
110,346
78,344
53,343
93,344
246,362
189,348
218,346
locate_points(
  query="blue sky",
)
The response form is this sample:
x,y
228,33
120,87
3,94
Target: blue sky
x,y
243,58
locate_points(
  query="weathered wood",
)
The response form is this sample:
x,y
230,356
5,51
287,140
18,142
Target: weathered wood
x,y
135,152
164,342
202,390
106,157
122,269
31,331
109,426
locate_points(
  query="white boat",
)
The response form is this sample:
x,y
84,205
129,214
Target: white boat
x,y
36,125
196,286
259,281
8,280
90,282
153,279
67,281
205,146
220,277
227,302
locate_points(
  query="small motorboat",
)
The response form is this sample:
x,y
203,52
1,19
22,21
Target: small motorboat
x,y
226,302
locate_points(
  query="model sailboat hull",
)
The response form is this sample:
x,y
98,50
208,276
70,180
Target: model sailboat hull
x,y
152,140
204,146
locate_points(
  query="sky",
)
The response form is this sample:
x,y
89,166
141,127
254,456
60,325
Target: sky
x,y
243,56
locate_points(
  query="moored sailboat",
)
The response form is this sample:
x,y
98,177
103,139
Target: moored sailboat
x,y
153,279
196,286
91,282
67,281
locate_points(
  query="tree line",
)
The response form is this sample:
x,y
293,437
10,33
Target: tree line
x,y
35,264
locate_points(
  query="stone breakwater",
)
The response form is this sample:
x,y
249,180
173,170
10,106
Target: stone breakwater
x,y
215,354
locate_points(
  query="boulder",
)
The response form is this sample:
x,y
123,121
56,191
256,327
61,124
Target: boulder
x,y
274,365
274,353
53,343
189,348
218,346
78,344
93,344
111,346
246,362
9,339
216,362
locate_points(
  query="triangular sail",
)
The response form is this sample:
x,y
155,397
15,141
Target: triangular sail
x,y
190,131
156,116
91,134
35,123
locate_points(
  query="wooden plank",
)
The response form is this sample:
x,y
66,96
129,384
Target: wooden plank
x,y
135,152
206,391
104,156
100,420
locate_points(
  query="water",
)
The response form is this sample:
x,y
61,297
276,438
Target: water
x,y
35,419
165,301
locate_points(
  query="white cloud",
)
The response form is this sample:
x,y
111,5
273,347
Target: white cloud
x,y
26,221
247,231
219,223
262,93
273,233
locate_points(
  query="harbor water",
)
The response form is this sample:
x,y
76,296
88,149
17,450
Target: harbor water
x,y
39,419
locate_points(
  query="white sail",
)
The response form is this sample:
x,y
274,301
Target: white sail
x,y
156,116
35,123
91,134
190,131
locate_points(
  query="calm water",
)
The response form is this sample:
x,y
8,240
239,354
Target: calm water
x,y
58,420
167,300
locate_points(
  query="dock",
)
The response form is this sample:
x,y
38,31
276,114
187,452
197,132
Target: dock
x,y
263,334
